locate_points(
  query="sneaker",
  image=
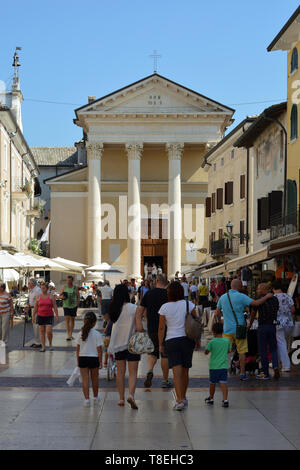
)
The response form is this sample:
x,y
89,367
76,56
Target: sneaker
x,y
166,384
86,403
209,401
185,402
96,400
148,381
225,403
262,376
178,406
244,377
276,374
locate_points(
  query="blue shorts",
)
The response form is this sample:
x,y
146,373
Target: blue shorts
x,y
218,376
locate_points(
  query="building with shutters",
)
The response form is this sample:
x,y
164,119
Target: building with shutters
x,y
226,200
246,187
285,227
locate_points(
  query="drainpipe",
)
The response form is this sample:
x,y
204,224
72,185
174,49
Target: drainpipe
x,y
247,204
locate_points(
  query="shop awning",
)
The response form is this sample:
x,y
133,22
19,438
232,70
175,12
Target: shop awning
x,y
213,271
248,260
238,263
284,245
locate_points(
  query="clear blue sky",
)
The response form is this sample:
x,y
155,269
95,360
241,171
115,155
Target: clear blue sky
x,y
74,48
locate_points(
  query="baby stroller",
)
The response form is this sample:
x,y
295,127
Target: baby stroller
x,y
252,357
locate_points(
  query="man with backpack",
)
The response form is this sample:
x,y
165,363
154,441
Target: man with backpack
x,y
232,305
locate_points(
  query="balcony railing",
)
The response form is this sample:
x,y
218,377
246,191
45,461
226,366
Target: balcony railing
x,y
281,226
225,247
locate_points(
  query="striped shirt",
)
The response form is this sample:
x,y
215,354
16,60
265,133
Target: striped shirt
x,y
5,303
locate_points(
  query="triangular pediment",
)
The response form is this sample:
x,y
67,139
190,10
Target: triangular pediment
x,y
154,95
74,176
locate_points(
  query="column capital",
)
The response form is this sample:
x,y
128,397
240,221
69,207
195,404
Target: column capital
x,y
175,150
94,150
134,151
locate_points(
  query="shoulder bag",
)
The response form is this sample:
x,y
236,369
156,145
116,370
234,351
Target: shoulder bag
x,y
241,330
193,325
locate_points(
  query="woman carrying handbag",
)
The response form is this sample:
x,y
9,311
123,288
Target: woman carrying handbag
x,y
122,314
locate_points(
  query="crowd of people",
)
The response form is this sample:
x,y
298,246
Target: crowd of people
x,y
162,306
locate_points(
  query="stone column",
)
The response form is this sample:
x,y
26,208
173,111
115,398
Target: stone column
x,y
94,154
174,243
134,152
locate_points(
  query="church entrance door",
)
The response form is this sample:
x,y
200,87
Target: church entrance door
x,y
154,243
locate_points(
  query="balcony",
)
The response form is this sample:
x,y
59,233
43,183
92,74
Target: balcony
x,y
223,247
282,226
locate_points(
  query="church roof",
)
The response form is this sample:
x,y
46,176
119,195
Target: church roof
x,y
50,156
147,78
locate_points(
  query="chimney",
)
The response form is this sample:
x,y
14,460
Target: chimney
x,y
91,99
81,152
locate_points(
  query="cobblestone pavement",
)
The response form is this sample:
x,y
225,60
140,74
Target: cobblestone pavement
x,y
34,394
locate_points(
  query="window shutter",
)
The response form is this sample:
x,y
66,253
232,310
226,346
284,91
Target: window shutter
x,y
265,219
242,231
258,214
220,233
208,207
213,202
229,192
242,186
220,198
275,205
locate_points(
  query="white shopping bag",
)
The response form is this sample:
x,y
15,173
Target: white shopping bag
x,y
2,353
74,376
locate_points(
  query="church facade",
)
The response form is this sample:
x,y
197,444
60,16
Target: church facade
x,y
140,195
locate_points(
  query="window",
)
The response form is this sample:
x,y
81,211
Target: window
x,y
294,60
208,207
220,233
222,161
220,198
263,218
232,154
242,186
229,192
294,122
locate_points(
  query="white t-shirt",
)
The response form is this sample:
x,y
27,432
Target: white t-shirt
x,y
106,292
175,313
185,288
193,288
90,345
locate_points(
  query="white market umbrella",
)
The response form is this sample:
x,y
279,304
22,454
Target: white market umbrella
x,y
8,261
10,275
72,265
50,265
29,261
103,268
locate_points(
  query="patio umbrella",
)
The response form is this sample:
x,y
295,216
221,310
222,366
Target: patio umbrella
x,y
10,275
29,262
50,265
8,261
103,268
72,265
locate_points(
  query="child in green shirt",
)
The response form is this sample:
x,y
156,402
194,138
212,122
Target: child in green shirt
x,y
219,348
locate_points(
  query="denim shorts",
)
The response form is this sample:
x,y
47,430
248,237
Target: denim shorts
x,y
218,376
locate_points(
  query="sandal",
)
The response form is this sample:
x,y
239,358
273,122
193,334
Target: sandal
x,y
42,350
121,403
132,403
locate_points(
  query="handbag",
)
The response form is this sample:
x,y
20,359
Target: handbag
x,y
241,330
193,325
140,343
